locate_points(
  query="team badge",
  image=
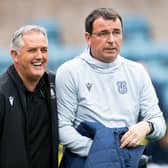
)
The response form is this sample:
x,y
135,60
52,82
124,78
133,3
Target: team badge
x,y
122,87
89,86
11,100
52,91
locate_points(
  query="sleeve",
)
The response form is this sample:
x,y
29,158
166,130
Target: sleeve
x,y
67,104
150,110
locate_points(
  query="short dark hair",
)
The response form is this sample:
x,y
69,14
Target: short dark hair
x,y
105,13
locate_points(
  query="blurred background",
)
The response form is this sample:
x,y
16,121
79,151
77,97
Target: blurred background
x,y
145,32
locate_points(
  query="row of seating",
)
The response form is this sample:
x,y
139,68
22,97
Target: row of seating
x,y
138,45
57,55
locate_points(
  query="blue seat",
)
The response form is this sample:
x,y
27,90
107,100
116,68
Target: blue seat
x,y
60,54
162,52
53,29
136,27
5,60
140,51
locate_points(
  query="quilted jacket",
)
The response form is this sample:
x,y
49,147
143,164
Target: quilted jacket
x,y
105,151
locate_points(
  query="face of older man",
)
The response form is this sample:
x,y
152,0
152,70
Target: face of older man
x,y
31,61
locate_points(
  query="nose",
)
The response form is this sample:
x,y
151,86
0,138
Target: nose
x,y
110,38
39,54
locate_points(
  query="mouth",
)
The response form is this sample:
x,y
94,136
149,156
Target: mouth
x,y
37,64
110,49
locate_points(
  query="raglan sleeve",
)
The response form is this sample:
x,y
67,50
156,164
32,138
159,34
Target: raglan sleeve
x,y
67,104
150,110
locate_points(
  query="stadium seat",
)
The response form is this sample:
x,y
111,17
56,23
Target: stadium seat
x,y
59,54
136,28
53,29
5,60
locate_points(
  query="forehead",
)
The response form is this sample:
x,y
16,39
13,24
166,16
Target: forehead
x,y
104,24
34,37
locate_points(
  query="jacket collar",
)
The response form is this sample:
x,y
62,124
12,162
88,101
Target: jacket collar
x,y
18,81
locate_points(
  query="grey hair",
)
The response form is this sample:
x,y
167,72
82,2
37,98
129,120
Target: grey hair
x,y
17,41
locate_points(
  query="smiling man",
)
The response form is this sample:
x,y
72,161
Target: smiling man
x,y
28,123
104,89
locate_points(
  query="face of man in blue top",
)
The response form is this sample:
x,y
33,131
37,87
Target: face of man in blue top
x,y
106,39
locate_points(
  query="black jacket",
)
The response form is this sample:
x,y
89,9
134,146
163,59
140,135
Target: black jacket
x,y
13,148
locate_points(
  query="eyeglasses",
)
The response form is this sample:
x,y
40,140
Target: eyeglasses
x,y
106,34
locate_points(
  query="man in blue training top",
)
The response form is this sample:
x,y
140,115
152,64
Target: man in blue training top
x,y
103,87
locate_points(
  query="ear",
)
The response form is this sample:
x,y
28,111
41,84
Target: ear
x,y
88,38
14,55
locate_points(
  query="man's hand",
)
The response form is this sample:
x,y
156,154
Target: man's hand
x,y
135,134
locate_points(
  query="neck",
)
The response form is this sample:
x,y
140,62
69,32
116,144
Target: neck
x,y
29,83
30,86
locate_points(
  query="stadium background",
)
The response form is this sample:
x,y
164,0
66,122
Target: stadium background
x,y
64,20
71,14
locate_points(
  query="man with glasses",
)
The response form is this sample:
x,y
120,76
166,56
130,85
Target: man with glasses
x,y
100,86
28,119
